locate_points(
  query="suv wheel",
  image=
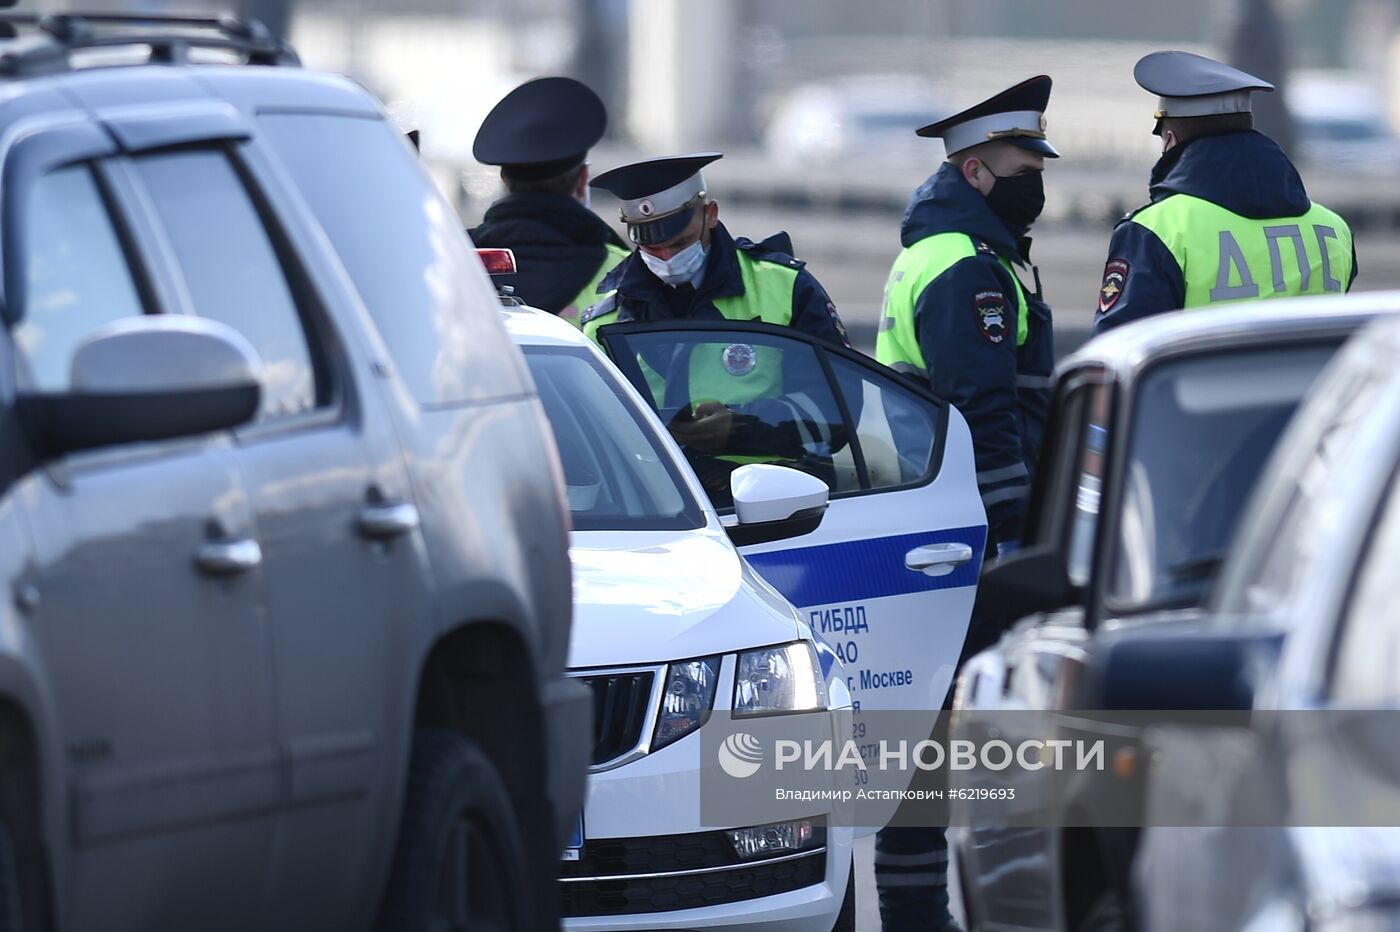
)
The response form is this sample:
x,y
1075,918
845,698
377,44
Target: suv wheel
x,y
460,864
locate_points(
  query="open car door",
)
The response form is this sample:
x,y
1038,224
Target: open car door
x,y
888,578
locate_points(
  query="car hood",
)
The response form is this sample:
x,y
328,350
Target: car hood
x,y
652,596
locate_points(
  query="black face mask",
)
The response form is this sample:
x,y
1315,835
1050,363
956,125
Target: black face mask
x,y
1017,199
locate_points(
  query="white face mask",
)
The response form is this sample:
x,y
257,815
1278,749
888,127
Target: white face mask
x,y
685,266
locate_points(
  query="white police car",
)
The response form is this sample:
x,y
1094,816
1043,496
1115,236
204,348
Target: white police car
x,y
671,624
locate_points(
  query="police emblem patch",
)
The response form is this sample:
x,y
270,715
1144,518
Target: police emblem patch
x,y
739,359
991,309
1115,278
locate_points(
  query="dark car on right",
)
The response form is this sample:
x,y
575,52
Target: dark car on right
x,y
1160,432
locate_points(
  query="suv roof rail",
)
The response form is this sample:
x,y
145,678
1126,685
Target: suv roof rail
x,y
170,39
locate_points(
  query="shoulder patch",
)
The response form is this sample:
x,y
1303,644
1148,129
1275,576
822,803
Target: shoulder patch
x,y
1115,279
992,311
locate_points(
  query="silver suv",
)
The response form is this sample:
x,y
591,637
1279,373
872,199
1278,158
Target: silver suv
x,y
281,525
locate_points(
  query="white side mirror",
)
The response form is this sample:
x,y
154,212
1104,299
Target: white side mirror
x,y
764,493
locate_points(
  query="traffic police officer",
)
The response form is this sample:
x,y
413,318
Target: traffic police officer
x,y
540,134
688,267
957,316
1229,218
956,312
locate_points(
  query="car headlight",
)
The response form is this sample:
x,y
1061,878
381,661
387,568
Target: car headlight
x,y
779,679
688,697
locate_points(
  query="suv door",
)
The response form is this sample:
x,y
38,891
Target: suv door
x,y
344,568
145,581
889,577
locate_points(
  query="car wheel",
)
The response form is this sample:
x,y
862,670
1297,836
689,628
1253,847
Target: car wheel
x,y
460,864
1106,914
846,919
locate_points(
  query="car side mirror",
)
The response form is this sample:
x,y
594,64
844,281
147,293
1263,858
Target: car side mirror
x,y
1029,581
147,378
1170,669
774,503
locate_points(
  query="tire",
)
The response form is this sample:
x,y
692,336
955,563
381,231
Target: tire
x,y
846,919
1105,914
459,865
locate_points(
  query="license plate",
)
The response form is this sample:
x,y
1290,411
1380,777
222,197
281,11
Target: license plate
x,y
574,850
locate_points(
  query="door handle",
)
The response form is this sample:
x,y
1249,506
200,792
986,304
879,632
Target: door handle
x,y
937,559
228,557
383,520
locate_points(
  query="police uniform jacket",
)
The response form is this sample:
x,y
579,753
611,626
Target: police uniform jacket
x,y
633,293
986,342
1229,219
560,247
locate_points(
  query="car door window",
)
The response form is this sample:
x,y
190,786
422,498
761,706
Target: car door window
x,y
895,433
230,269
732,394
1202,429
732,397
76,274
1368,649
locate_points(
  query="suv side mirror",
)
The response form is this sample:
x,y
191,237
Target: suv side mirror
x,y
774,503
1029,581
147,378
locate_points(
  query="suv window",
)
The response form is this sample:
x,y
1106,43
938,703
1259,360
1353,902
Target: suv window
x,y
76,274
1203,429
230,268
400,242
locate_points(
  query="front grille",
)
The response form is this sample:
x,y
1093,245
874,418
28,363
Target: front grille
x,y
651,855
690,891
621,702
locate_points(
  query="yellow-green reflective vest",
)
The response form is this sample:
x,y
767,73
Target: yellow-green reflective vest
x,y
725,372
1226,257
589,295
897,344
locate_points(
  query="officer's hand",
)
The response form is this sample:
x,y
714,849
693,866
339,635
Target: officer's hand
x,y
707,430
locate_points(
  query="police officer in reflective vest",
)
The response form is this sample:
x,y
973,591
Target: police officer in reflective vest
x,y
688,267
1229,218
540,134
957,316
957,313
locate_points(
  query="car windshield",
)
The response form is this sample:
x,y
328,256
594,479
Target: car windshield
x,y
617,474
1202,430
